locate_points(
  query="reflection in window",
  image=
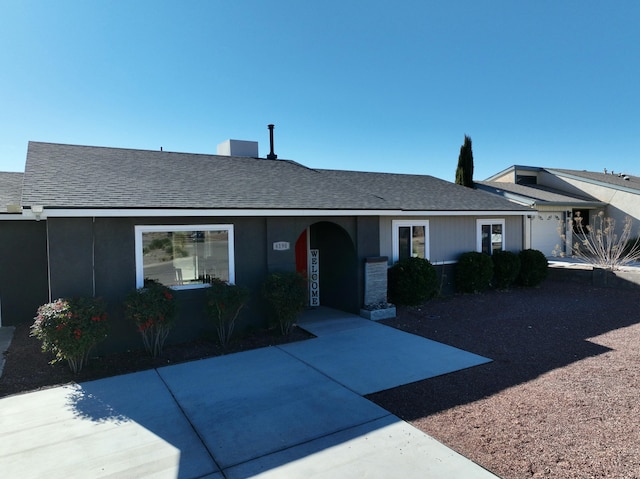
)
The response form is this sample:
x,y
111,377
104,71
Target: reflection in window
x,y
411,242
491,237
410,239
181,257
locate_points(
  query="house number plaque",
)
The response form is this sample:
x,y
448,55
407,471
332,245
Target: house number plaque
x,y
281,246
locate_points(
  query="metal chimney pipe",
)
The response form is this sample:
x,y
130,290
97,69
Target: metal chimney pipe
x,y
271,155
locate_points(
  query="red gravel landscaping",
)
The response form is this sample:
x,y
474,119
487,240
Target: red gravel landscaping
x,y
561,397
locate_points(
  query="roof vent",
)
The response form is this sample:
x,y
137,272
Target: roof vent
x,y
243,148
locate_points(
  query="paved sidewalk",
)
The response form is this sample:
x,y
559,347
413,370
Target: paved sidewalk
x,y
280,412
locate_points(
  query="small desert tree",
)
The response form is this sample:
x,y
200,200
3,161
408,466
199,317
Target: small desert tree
x,y
601,245
464,172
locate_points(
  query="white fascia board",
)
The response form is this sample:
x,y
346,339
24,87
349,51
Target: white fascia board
x,y
128,213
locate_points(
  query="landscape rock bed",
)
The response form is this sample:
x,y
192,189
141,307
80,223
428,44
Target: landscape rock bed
x,y
561,397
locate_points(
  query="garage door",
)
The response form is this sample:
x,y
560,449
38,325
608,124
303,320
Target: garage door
x,y
544,231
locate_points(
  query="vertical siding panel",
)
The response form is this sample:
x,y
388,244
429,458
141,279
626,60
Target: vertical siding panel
x,y
451,236
514,234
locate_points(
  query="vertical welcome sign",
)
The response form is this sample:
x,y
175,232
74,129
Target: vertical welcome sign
x,y
314,277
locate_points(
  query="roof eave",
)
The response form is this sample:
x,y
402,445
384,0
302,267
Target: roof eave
x,y
191,213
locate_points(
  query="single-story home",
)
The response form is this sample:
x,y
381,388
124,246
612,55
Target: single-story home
x,y
86,220
560,195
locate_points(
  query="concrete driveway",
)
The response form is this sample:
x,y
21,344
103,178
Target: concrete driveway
x,y
289,411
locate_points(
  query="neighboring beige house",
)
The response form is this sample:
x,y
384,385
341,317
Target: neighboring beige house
x,y
560,195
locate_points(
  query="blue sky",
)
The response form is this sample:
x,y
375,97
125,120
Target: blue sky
x,y
359,85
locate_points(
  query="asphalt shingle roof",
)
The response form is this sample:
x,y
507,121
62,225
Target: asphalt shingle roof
x,y
538,194
10,189
617,179
69,176
420,192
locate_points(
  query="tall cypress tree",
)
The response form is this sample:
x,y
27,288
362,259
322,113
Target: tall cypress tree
x,y
464,172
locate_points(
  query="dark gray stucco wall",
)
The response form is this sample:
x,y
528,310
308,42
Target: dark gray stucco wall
x,y
23,270
98,256
70,256
278,230
90,256
115,276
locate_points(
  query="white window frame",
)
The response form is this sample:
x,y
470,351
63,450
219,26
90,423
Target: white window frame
x,y
395,236
488,222
140,229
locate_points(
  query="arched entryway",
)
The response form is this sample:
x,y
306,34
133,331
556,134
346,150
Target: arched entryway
x,y
337,271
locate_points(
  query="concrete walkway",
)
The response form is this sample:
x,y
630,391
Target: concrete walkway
x,y
292,411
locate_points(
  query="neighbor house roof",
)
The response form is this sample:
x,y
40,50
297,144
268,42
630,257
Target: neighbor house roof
x,y
537,195
618,180
69,176
10,191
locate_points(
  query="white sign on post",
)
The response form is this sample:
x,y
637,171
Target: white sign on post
x,y
314,277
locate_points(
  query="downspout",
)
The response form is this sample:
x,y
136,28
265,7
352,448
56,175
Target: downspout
x,y
93,256
48,262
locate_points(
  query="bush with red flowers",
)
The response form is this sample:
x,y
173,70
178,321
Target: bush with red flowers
x,y
153,310
70,328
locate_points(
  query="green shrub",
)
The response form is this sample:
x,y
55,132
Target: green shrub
x,y
533,267
286,296
224,302
473,272
412,281
153,310
506,267
70,328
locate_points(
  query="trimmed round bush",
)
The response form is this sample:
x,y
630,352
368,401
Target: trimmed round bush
x,y
473,272
412,281
533,267
506,267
